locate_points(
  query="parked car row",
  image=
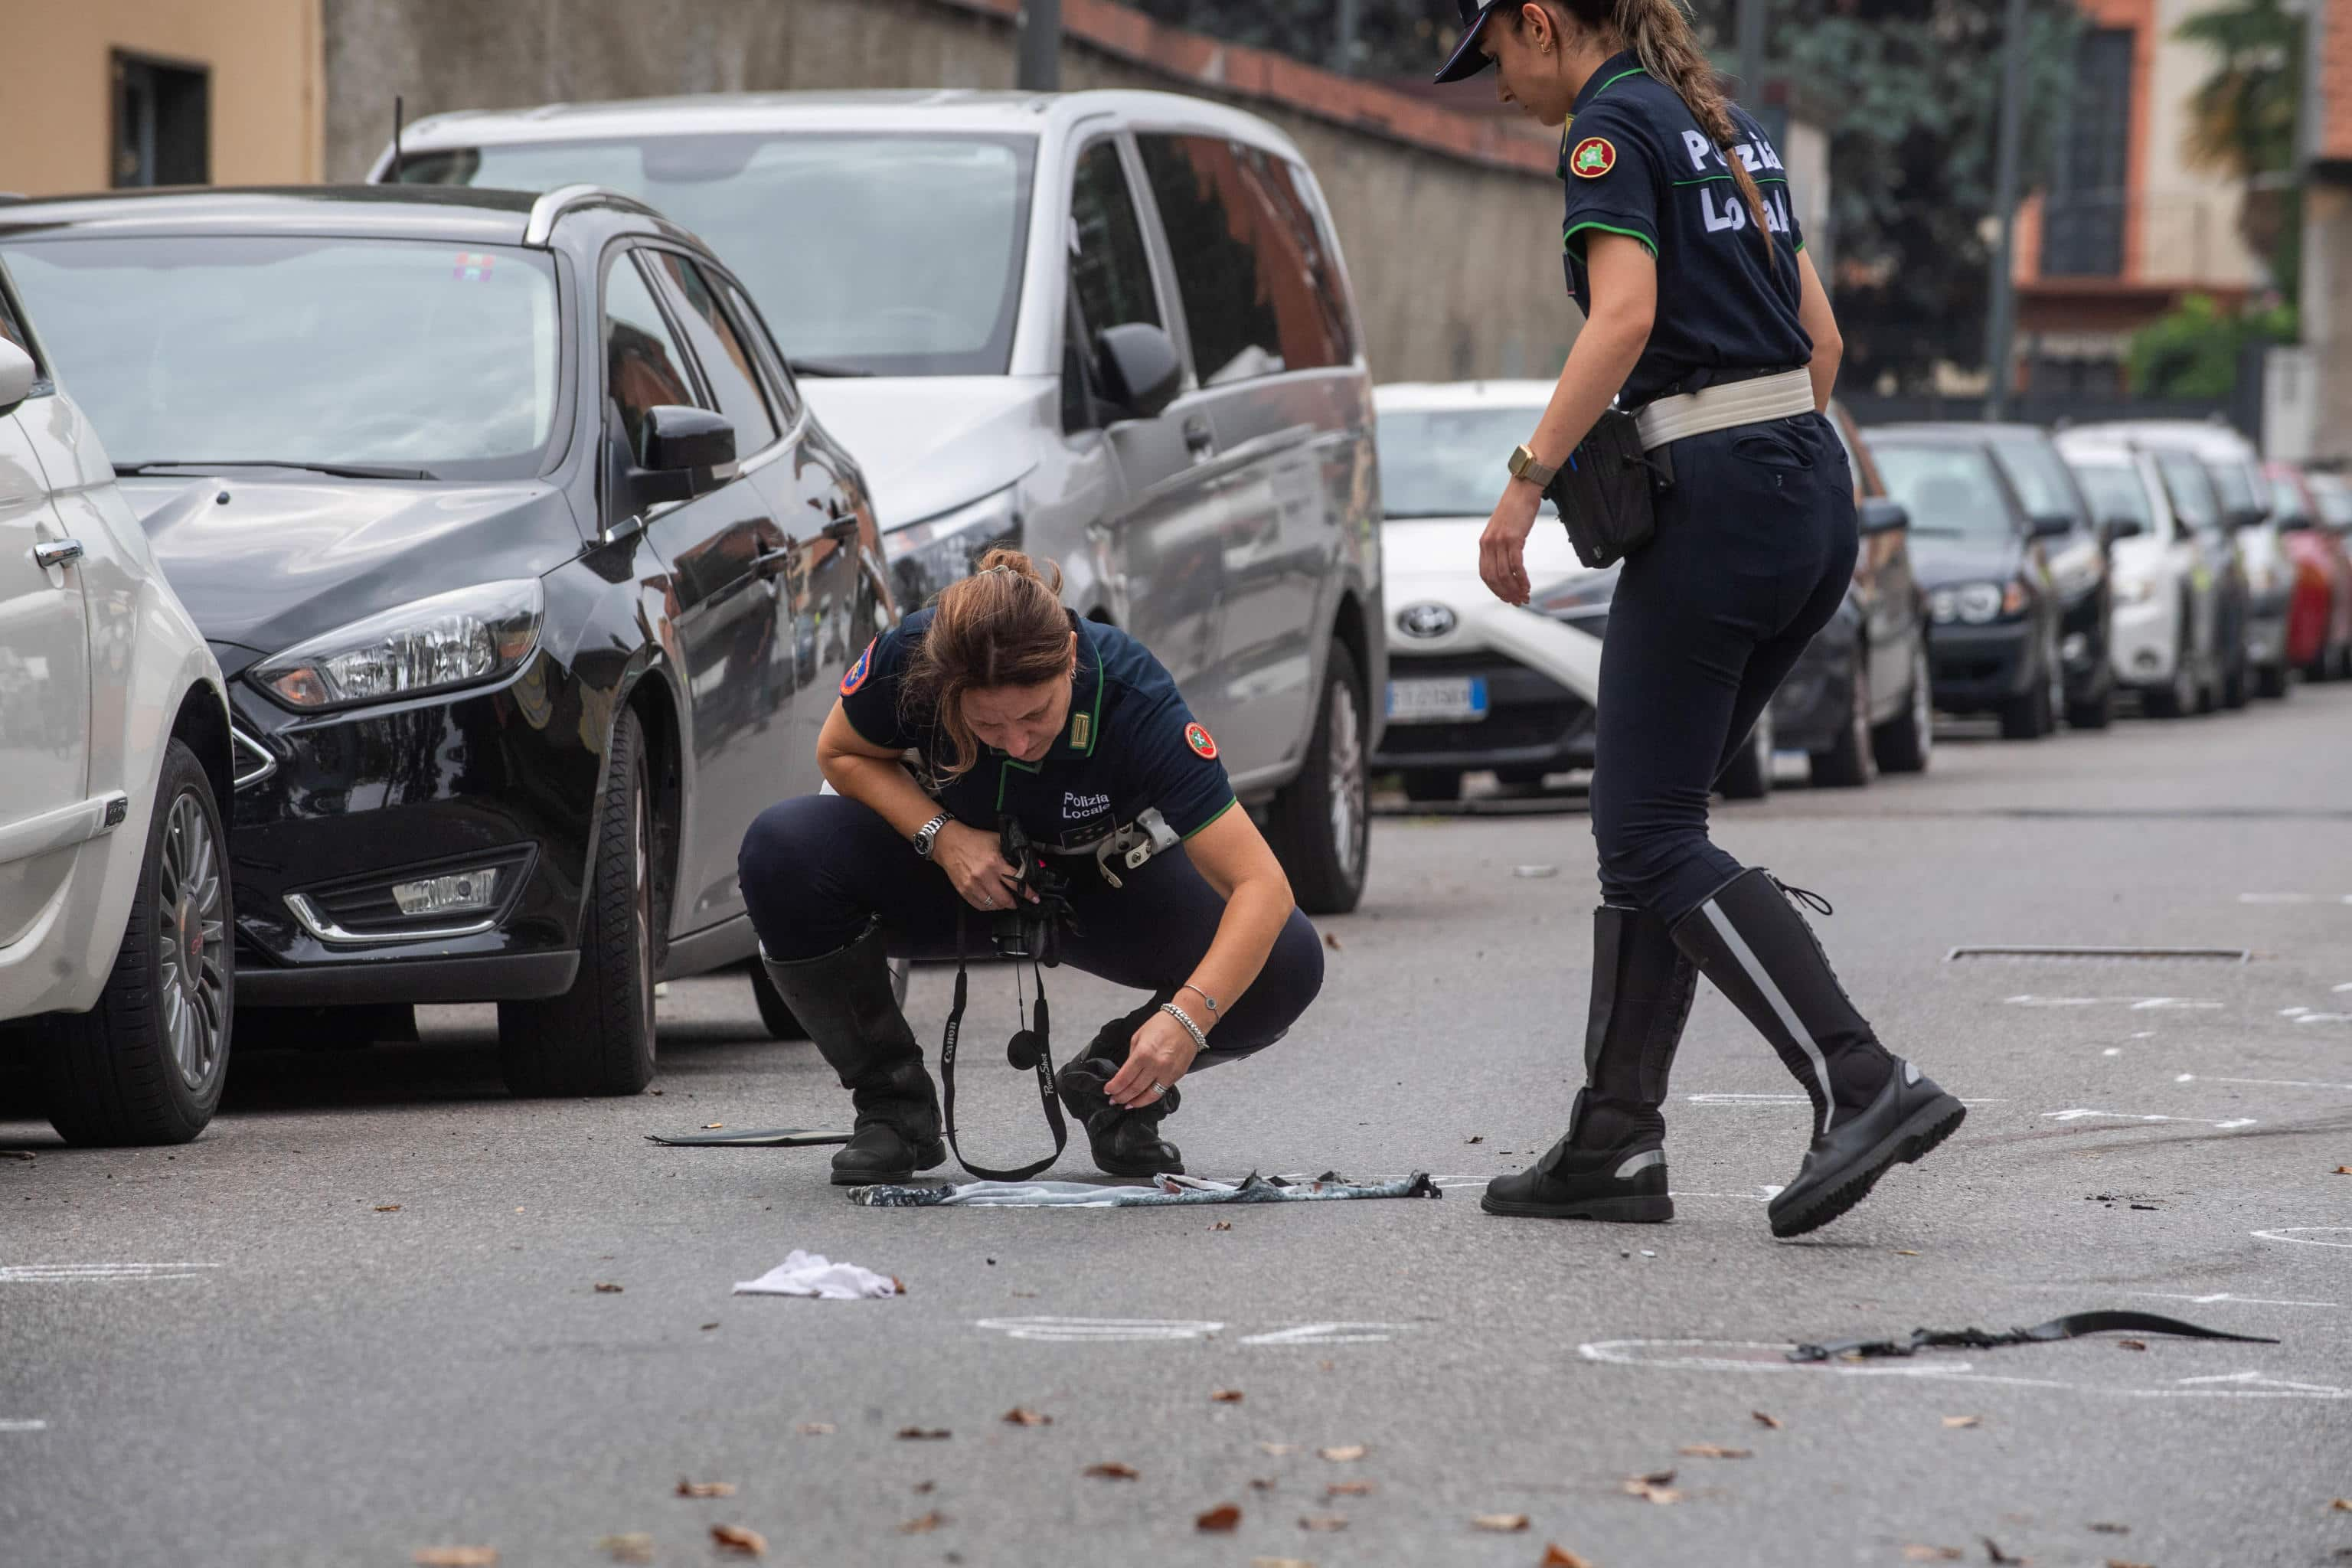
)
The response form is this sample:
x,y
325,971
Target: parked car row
x,y
2003,571
529,538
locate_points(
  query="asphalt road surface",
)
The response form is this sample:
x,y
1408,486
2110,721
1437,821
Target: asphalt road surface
x,y
361,1316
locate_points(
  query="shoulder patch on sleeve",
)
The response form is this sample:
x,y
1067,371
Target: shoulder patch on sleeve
x,y
858,673
1202,743
1593,157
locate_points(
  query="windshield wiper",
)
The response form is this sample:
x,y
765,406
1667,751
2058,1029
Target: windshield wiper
x,y
335,470
822,368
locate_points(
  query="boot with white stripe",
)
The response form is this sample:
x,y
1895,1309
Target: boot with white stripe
x,y
1870,1109
1611,1165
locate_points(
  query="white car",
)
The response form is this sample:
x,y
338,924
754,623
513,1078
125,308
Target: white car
x,y
1475,683
115,920
2165,641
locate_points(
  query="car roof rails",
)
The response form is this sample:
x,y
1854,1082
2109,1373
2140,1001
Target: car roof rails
x,y
14,196
549,208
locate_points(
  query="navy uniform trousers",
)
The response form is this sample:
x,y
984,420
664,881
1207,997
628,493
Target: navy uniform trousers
x,y
817,869
1755,546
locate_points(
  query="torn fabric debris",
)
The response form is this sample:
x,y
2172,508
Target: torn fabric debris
x,y
810,1274
1167,1190
2066,1328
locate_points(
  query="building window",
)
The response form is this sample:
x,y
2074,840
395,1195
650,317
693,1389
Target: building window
x,y
2090,191
162,122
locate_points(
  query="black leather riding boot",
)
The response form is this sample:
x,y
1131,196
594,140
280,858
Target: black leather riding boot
x,y
846,1002
1870,1109
1612,1164
1124,1142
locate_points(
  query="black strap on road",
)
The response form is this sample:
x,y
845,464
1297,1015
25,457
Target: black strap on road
x,y
1040,1036
2067,1328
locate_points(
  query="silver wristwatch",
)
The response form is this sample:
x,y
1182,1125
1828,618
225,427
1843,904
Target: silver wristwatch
x,y
928,833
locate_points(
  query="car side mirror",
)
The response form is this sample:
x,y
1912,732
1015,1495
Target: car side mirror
x,y
2293,523
2248,517
2051,527
1883,514
17,373
1139,368
684,449
2120,527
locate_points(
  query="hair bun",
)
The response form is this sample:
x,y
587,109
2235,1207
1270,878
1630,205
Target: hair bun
x,y
1004,559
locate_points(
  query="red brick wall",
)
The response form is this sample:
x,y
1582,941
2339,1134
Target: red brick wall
x,y
2335,82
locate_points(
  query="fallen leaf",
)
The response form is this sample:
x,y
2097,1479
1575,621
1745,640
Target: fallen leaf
x,y
1905,1252
2340,1170
1932,1554
924,1525
1480,1139
1713,1451
2119,1562
387,1208
1262,1483
1218,1520
816,1429
654,1092
1763,1420
1995,1555
602,1290
2111,1529
1350,1488
1279,1450
1958,1421
1500,1523
1112,1471
1222,1225
635,1548
923,1433
456,1557
705,1488
741,1541
1557,1556
1021,1415
924,1488
1331,941
1280,1563
1226,1396
2342,1505
1653,1488
15,1154
712,1126
1345,1455
708,1327
1326,1523
1330,1366
2131,1344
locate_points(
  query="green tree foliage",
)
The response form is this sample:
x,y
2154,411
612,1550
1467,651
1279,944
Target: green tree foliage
x,y
2195,352
2242,118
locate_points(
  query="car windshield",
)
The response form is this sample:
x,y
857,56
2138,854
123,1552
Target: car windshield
x,y
2115,492
2235,482
882,255
2190,484
419,357
1448,462
1951,491
2039,473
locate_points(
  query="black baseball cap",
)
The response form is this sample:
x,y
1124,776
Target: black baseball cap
x,y
1467,60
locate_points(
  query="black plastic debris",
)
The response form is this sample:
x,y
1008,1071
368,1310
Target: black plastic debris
x,y
2067,1328
773,1138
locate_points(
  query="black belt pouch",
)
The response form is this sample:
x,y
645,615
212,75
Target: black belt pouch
x,y
1606,491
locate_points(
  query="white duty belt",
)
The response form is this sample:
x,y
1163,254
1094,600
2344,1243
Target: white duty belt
x,y
1130,847
1725,406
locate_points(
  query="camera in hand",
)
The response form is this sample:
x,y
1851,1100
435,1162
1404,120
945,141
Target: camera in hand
x,y
1028,930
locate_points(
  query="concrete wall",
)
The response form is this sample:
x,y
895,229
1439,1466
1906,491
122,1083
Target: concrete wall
x,y
1452,232
56,106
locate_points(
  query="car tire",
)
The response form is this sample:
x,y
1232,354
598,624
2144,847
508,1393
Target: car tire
x,y
2235,692
598,1037
1321,827
2096,712
1903,744
2184,693
1850,765
1749,776
2270,682
2031,715
776,1014
1433,788
145,1066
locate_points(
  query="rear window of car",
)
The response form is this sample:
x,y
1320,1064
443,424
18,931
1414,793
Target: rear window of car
x,y
1949,490
2040,474
2190,487
2116,491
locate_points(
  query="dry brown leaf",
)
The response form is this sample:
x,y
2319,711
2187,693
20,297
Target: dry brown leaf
x,y
1112,1471
602,1290
1262,1483
2119,1562
1222,1225
708,1327
923,1433
705,1488
712,1126
1021,1415
2131,1344
1326,1523
1557,1556
1279,1450
1345,1455
924,1525
456,1557
2343,1170
1713,1451
387,1208
1761,1420
1226,1396
1350,1488
1219,1520
816,1429
1330,1365
1958,1421
1652,1487
1331,941
1500,1523
633,1547
1905,1252
1932,1554
924,1488
1995,1555
2342,1505
741,1541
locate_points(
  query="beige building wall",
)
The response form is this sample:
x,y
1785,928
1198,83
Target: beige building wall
x,y
267,88
2188,230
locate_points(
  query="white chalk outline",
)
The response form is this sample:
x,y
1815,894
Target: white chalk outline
x,y
1099,1331
2295,898
2081,1114
2265,1082
1328,1335
2225,1296
1782,1100
2136,1004
76,1273
2288,1233
24,1426
2251,1384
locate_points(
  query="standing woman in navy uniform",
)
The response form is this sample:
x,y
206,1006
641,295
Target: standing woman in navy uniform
x,y
1705,317
1014,706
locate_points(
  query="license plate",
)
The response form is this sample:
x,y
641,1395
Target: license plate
x,y
1437,701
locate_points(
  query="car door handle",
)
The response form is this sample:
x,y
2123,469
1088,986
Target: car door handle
x,y
1199,439
843,527
57,552
768,563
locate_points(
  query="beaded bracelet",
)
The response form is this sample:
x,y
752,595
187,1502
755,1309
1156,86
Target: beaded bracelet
x,y
1199,1039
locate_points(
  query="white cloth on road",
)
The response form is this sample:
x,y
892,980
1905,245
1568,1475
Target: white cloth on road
x,y
1164,1190
810,1274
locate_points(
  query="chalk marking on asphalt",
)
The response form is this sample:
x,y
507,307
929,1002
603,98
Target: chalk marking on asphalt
x,y
2136,1004
2306,1235
1783,1099
2292,1012
2225,1296
2082,1115
24,1426
76,1273
2233,1385
2295,898
2111,1051
2340,989
1328,1335
1762,1195
1099,1331
2326,1018
2265,1082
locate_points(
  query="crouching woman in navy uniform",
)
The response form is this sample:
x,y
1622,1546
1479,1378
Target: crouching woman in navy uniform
x,y
1705,317
1013,706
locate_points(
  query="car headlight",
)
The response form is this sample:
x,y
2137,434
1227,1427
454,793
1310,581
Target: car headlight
x,y
2136,590
450,640
926,556
1577,598
1973,603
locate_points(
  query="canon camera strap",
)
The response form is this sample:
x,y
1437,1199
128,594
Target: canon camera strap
x,y
1032,1048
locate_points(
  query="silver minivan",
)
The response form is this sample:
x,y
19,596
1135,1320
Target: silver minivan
x,y
1113,326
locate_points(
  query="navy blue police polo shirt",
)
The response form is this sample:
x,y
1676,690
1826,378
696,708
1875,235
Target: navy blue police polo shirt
x,y
1130,743
1637,163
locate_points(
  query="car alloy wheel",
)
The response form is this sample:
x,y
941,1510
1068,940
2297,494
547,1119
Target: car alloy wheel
x,y
1344,749
192,942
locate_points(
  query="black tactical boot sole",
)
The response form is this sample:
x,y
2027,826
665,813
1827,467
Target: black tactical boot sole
x,y
1637,1197
1910,1116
